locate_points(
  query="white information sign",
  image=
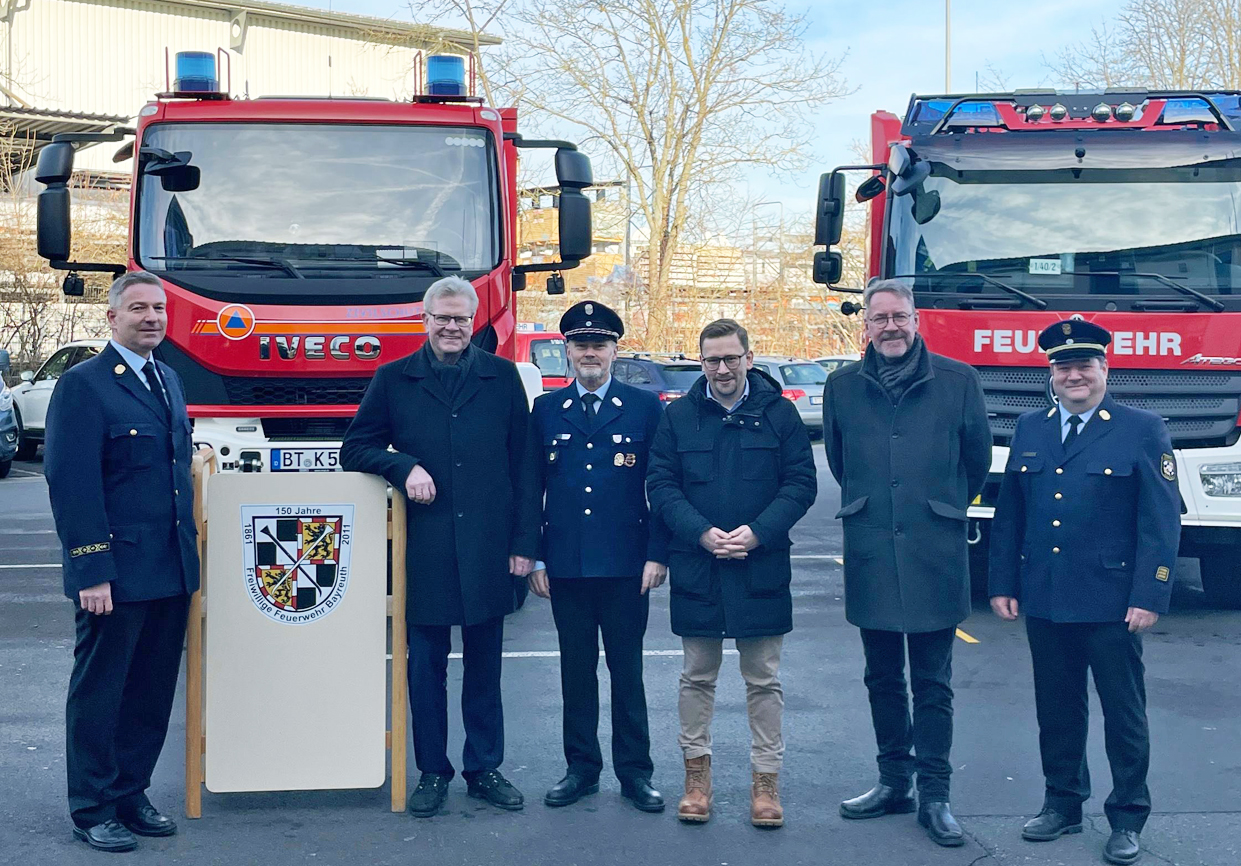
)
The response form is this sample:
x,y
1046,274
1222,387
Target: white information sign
x,y
295,632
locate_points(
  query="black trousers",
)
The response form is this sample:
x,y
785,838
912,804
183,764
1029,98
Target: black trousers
x,y
929,735
482,711
125,667
1061,653
614,606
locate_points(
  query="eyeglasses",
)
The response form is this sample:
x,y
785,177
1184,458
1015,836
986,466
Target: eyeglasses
x,y
443,321
881,321
730,361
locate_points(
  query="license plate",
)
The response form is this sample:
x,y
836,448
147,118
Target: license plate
x,y
815,401
305,460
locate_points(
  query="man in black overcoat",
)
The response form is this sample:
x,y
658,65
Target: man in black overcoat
x,y
456,419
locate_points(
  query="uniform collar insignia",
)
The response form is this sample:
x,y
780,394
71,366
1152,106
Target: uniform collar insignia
x,y
1105,415
616,401
1051,411
567,403
119,369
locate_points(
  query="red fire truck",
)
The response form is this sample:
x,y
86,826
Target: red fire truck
x,y
296,237
546,350
1006,212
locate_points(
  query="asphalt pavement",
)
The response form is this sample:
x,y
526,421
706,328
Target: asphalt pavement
x,y
1192,659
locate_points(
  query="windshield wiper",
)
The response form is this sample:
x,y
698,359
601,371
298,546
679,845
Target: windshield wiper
x,y
1028,298
1215,305
264,261
412,263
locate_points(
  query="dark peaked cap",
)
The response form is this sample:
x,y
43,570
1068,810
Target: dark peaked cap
x,y
1074,339
591,320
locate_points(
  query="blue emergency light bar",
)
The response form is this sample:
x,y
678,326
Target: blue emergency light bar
x,y
195,73
446,75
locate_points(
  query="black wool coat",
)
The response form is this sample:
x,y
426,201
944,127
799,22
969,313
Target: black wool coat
x,y
709,468
476,449
908,472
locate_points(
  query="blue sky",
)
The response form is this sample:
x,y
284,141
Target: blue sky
x,y
895,48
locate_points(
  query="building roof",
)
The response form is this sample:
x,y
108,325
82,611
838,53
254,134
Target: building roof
x,y
365,23
25,131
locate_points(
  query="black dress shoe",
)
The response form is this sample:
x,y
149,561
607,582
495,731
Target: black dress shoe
x,y
148,821
880,800
111,835
489,785
1050,824
1122,848
641,794
569,790
428,798
943,829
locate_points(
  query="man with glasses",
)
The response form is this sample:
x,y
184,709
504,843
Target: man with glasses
x,y
447,426
731,471
907,438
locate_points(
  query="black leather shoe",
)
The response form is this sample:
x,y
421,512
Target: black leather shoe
x,y
1050,824
148,821
428,798
943,829
1122,848
111,835
642,795
880,800
489,785
569,790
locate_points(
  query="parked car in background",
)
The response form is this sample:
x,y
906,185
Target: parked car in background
x,y
802,382
8,424
546,350
31,396
669,376
835,362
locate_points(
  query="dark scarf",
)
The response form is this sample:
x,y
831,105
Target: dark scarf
x,y
451,375
897,374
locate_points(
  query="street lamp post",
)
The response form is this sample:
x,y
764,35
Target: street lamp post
x,y
947,46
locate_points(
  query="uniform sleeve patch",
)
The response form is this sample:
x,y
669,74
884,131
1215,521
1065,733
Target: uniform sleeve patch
x,y
1162,573
101,547
1167,466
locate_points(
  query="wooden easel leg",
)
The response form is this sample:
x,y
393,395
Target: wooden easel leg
x,y
400,659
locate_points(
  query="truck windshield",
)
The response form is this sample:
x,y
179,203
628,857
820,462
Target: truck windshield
x,y
549,356
1072,231
323,200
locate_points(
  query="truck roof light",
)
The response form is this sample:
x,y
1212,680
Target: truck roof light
x,y
446,75
1102,112
1035,113
1125,112
1059,111
195,72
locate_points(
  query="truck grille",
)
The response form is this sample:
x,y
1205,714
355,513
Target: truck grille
x,y
1200,406
294,392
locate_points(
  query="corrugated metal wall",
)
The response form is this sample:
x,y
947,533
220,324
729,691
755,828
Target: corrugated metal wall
x,y
107,56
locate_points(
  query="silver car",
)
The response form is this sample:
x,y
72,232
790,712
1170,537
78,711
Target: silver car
x,y
802,382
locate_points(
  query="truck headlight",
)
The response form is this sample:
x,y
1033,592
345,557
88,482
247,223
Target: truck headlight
x,y
1220,479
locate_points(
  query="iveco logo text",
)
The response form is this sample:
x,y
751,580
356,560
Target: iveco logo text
x,y
319,348
1003,341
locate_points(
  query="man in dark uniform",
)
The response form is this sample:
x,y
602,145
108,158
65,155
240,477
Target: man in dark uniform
x,y
1084,542
448,426
601,556
117,461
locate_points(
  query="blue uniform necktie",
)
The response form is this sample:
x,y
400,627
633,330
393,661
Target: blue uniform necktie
x,y
590,405
1074,422
157,390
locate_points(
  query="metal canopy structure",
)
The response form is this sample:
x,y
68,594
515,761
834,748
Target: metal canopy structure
x,y
25,131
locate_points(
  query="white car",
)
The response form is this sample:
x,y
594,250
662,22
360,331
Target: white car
x,y
30,398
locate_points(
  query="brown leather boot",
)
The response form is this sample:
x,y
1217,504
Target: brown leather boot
x,y
695,806
765,809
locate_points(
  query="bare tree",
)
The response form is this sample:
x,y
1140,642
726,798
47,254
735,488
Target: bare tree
x,y
1160,44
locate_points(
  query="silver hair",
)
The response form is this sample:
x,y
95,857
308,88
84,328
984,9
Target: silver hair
x,y
124,281
895,287
449,287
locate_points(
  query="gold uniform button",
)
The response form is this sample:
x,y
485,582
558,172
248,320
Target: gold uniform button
x,y
588,467
587,489
1055,523
1107,471
1059,470
1059,495
588,512
1055,550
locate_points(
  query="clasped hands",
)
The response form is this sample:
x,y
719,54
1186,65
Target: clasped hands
x,y
729,545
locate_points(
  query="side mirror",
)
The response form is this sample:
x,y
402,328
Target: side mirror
x,y
182,178
912,179
870,188
829,219
55,163
173,169
52,224
4,361
573,169
926,206
575,227
828,267
555,284
27,376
